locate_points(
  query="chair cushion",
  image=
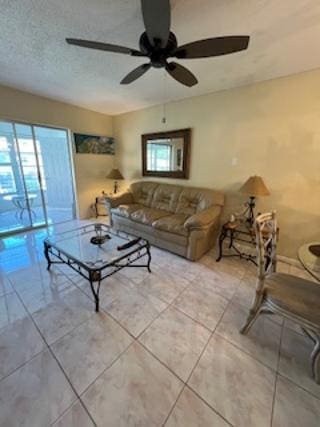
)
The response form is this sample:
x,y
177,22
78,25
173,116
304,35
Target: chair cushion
x,y
126,210
166,197
148,215
299,296
173,224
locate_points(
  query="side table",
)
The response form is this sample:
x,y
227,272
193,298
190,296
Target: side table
x,y
99,206
238,232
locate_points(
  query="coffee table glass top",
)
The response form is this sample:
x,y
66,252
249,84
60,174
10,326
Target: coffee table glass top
x,y
309,256
76,244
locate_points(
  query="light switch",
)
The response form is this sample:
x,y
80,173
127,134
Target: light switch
x,y
234,161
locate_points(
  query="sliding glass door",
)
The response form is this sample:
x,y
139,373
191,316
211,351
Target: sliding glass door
x,y
36,182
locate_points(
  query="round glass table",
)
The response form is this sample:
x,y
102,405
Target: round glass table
x,y
309,256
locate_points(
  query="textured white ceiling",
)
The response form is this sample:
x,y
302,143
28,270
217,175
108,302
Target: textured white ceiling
x,y
34,56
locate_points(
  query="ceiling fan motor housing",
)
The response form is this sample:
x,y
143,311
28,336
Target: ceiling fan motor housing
x,y
158,55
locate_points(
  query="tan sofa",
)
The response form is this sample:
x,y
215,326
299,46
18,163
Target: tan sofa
x,y
183,220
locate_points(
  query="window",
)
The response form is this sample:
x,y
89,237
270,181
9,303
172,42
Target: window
x,y
7,182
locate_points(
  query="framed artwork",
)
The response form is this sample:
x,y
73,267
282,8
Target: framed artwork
x,y
93,144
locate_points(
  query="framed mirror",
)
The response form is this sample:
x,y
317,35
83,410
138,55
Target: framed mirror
x,y
166,154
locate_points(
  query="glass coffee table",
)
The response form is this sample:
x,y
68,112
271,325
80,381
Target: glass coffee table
x,y
96,251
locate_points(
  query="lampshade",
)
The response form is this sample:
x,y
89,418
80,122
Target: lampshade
x,y
255,187
115,174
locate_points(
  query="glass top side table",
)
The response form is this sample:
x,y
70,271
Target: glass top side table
x,y
309,256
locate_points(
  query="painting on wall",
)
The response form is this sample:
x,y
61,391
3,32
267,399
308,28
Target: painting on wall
x,y
92,144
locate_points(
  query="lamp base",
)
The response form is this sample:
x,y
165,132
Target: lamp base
x,y
249,212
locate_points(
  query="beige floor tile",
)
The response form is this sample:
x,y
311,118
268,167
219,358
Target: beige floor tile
x,y
201,304
76,416
11,310
222,282
176,340
89,349
182,267
131,309
190,411
261,342
237,386
294,407
5,286
41,295
108,288
135,274
163,285
35,277
61,316
35,395
19,338
136,390
295,360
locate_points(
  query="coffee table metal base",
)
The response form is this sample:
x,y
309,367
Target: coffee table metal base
x,y
95,276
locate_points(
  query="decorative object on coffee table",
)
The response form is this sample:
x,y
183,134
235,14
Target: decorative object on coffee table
x,y
254,187
116,175
96,262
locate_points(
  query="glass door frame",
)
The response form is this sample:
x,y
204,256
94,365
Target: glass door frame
x,y
71,158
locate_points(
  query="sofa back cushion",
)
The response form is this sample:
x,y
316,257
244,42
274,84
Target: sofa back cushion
x,y
143,191
194,200
166,197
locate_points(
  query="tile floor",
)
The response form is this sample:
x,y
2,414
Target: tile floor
x,y
164,350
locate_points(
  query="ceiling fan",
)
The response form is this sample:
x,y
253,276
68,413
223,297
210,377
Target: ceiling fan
x,y
159,44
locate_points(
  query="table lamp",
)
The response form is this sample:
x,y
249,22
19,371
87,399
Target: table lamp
x,y
254,187
116,175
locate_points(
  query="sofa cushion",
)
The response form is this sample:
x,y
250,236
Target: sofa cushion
x,y
143,192
126,210
194,200
166,197
173,242
172,224
148,215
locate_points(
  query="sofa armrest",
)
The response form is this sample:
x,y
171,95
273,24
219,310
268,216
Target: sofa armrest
x,y
203,219
123,199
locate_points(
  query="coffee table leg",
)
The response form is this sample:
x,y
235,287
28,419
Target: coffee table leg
x,y
95,277
46,254
149,258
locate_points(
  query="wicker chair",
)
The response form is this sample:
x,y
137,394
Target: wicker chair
x,y
292,297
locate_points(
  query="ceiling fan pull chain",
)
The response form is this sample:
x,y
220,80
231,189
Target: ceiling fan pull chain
x,y
164,116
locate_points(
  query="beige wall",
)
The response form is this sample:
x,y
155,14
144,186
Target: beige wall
x,y
90,170
271,129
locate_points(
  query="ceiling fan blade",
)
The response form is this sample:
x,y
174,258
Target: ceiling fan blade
x,y
181,74
135,74
104,46
212,47
157,17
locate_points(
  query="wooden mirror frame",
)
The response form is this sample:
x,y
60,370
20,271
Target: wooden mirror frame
x,y
185,134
